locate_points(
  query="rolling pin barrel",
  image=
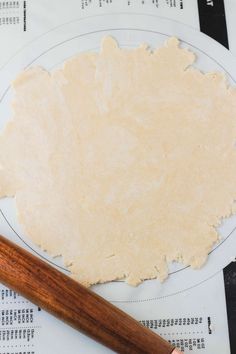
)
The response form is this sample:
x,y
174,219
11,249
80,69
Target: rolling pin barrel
x,y
74,304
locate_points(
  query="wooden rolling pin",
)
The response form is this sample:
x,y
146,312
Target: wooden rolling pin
x,y
74,304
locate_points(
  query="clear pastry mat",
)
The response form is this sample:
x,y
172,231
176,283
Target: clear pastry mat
x,y
189,307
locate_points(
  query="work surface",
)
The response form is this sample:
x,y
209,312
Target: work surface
x,y
190,309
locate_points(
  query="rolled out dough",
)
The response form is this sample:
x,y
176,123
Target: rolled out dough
x,y
122,161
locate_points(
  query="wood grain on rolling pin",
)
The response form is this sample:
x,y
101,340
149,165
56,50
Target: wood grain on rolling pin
x,y
73,303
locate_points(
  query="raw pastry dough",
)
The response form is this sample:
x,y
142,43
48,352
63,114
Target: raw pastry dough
x,y
122,161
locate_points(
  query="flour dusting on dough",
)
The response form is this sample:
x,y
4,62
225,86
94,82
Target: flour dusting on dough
x,y
122,161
